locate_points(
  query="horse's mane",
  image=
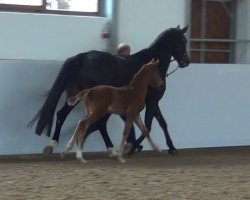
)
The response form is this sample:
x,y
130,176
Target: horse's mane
x,y
163,34
157,41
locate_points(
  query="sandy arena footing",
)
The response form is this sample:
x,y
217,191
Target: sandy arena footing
x,y
209,173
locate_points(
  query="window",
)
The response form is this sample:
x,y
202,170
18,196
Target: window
x,y
215,35
78,7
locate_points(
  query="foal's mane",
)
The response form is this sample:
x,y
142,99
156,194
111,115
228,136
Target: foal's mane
x,y
144,69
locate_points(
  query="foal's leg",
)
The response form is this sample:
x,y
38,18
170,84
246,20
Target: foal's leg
x,y
145,132
61,116
131,136
102,127
153,110
78,135
80,138
131,141
128,125
149,115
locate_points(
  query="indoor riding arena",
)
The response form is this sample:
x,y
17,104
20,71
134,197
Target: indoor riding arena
x,y
125,99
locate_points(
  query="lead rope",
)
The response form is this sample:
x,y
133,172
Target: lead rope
x,y
173,70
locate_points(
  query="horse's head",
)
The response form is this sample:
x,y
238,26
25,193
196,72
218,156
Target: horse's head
x,y
171,42
179,43
153,74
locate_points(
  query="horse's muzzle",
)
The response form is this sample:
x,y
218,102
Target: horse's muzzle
x,y
184,63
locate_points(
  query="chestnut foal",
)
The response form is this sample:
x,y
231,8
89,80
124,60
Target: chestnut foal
x,y
127,100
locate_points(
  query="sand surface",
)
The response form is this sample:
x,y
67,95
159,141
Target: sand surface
x,y
211,174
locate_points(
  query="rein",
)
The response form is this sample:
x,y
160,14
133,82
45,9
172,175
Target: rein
x,y
173,70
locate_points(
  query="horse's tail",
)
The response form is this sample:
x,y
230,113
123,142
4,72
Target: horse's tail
x,y
46,113
75,99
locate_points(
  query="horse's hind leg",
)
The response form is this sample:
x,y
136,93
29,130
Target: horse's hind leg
x,y
61,116
163,124
145,132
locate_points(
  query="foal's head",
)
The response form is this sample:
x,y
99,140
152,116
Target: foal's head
x,y
153,73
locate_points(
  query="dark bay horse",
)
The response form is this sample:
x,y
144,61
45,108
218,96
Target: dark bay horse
x,y
128,100
94,68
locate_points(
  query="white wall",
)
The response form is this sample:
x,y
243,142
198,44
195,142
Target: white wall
x,y
204,105
48,37
208,105
23,86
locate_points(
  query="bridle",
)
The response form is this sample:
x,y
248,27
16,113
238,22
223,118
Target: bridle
x,y
174,69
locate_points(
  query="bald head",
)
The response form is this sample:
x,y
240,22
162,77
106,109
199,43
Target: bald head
x,y
123,49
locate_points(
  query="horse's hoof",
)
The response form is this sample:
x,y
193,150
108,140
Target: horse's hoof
x,y
172,151
139,149
134,150
47,150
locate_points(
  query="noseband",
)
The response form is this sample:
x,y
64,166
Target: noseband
x,y
173,70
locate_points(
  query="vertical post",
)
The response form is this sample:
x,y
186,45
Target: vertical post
x,y
232,31
203,30
189,23
109,9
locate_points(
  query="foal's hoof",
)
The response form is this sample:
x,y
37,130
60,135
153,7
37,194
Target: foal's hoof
x,y
127,148
135,150
82,160
112,152
122,160
63,154
47,150
172,151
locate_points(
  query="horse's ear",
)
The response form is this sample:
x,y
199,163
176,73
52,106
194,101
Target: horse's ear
x,y
156,62
178,27
184,30
152,61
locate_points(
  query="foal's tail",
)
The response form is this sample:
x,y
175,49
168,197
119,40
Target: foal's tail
x,y
75,99
46,113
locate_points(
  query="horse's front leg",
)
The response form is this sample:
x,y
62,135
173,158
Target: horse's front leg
x,y
61,116
163,124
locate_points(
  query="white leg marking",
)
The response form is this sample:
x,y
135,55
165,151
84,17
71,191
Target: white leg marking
x,y
120,152
153,145
112,152
79,156
53,144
